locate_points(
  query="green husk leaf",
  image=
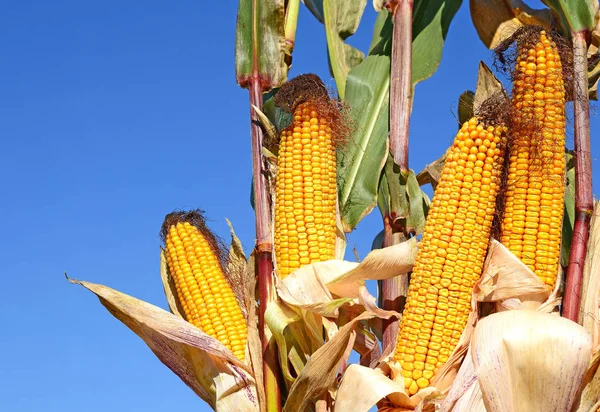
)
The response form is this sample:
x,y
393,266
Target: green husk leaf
x,y
278,117
321,369
401,198
266,26
279,317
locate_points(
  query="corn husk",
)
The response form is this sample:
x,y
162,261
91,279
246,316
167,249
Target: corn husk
x,y
590,397
319,375
330,297
589,314
529,361
323,287
200,361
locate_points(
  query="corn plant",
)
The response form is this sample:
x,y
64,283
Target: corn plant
x,y
470,281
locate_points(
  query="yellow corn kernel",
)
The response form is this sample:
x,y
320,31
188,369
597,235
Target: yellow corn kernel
x,y
203,292
535,185
446,267
305,192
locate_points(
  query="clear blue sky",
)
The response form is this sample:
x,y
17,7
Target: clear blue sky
x,y
112,114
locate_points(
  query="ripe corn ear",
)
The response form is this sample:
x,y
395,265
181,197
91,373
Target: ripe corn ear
x,y
202,289
306,192
533,212
451,253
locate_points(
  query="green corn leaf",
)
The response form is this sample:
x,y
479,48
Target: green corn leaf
x,y
259,43
361,160
578,14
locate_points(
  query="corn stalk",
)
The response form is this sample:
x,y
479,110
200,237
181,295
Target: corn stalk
x,y
400,108
583,179
261,55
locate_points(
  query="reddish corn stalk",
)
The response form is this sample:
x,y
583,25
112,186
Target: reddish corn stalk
x,y
264,247
400,107
401,78
393,291
583,180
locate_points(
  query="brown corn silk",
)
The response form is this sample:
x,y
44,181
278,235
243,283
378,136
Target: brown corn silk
x,y
194,259
451,253
533,209
306,181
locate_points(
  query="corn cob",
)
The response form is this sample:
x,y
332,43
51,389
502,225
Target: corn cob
x,y
203,291
306,191
533,212
451,253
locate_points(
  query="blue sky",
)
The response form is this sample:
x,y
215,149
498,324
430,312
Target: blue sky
x,y
113,114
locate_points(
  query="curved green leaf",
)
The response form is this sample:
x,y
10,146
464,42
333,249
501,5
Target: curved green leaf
x,y
361,160
431,20
579,14
367,94
341,19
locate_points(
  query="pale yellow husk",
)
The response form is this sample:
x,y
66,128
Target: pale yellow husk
x,y
529,361
589,315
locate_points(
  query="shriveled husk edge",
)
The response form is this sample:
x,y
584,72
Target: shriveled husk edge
x,y
504,279
311,296
200,361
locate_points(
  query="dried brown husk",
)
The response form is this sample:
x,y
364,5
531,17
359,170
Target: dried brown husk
x,y
199,360
589,314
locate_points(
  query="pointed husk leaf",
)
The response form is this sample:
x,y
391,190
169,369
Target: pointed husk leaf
x,y
199,360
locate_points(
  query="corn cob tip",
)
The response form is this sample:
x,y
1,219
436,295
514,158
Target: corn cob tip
x,y
303,88
308,90
507,52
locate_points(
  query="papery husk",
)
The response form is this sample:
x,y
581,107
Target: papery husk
x,y
281,319
589,313
526,360
590,396
508,282
465,393
201,362
321,370
323,287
